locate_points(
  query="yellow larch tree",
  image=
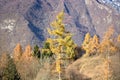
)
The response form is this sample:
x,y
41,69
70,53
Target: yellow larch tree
x,y
118,42
94,44
86,43
86,40
107,45
107,48
90,45
27,54
3,60
61,43
28,66
17,52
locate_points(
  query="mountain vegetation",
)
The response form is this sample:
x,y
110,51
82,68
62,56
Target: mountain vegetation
x,y
56,60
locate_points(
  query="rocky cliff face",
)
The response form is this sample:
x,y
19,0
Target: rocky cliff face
x,y
26,21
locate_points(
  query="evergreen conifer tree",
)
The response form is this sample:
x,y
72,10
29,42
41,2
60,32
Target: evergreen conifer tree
x,y
36,51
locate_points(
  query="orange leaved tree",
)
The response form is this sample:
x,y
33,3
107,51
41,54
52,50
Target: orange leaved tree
x,y
107,45
17,53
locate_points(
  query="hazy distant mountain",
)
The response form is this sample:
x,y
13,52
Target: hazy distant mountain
x,y
25,21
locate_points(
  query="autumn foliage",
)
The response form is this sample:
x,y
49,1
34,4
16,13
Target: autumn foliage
x,y
61,43
17,52
107,44
25,63
92,45
8,69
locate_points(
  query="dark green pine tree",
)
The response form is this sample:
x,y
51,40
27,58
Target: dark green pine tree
x,y
46,52
36,51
